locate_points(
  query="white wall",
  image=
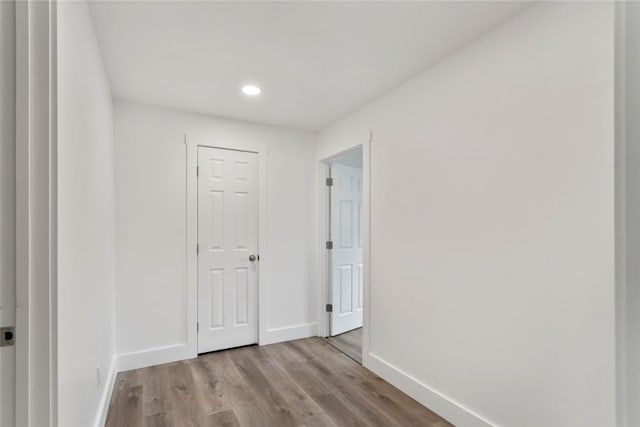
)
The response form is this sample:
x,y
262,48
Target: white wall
x,y
492,224
630,303
86,279
151,228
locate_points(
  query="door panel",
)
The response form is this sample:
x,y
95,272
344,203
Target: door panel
x,y
227,236
346,255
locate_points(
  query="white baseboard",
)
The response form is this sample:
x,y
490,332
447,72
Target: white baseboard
x,y
155,356
105,399
174,353
432,399
290,333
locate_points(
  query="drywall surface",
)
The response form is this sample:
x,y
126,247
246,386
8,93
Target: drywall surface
x,y
151,225
86,280
631,112
492,223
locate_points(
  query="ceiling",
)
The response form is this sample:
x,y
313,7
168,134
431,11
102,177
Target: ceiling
x,y
351,158
315,61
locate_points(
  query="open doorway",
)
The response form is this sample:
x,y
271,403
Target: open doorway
x,y
345,261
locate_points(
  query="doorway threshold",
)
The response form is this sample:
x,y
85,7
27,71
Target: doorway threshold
x,y
349,343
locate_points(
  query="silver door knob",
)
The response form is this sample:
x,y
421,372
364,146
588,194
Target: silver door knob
x,y
252,258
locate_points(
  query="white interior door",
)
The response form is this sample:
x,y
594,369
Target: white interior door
x,y
346,255
227,248
7,211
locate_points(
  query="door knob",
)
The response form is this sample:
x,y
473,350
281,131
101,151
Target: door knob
x,y
252,258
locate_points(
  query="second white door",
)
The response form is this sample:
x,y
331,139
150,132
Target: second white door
x,y
227,248
346,255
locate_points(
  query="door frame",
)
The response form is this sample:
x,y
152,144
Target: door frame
x,y
8,360
36,213
323,254
192,142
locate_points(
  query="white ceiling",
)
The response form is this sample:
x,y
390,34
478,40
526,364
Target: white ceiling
x,y
351,158
315,61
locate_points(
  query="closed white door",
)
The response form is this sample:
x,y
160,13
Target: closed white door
x,y
346,255
227,248
7,213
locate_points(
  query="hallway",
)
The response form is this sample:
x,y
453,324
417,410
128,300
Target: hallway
x,y
303,382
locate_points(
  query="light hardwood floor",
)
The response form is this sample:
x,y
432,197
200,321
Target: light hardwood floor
x,y
350,343
298,383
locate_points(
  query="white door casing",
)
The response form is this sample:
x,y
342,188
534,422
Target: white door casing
x,y
7,209
227,237
346,259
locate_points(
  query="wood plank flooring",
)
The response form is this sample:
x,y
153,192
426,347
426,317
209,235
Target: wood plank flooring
x,y
298,383
350,343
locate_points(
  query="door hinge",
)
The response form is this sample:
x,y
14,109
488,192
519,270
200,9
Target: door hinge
x,y
329,182
197,326
329,308
197,170
329,244
197,249
7,336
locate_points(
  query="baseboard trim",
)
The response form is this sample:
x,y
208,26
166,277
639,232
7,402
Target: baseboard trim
x,y
434,400
290,333
105,400
155,356
174,353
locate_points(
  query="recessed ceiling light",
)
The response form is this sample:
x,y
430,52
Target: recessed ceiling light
x,y
251,90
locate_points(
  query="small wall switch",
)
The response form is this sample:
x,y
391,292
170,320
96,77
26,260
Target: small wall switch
x,y
7,336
